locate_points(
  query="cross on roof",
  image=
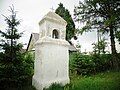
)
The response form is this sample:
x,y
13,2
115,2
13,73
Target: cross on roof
x,y
52,9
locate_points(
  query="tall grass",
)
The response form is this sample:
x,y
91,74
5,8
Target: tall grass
x,y
101,81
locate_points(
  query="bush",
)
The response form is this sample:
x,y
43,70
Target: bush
x,y
89,64
83,64
102,62
16,74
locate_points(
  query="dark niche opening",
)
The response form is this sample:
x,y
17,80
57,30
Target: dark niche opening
x,y
55,34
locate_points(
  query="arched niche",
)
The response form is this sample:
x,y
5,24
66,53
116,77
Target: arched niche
x,y
55,34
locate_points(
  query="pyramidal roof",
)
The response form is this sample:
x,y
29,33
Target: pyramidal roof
x,y
54,17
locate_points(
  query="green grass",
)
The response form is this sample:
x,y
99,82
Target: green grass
x,y
101,81
55,86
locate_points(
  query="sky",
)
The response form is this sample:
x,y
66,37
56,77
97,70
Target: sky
x,y
30,12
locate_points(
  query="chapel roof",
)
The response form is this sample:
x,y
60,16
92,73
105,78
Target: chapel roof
x,y
53,16
35,37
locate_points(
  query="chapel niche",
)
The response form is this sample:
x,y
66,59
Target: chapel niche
x,y
55,34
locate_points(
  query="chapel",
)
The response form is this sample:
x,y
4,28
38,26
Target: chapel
x,y
51,53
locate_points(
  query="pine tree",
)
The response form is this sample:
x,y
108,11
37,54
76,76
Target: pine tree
x,y
14,67
64,13
9,44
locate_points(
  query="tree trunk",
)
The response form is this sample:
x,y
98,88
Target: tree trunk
x,y
98,36
113,49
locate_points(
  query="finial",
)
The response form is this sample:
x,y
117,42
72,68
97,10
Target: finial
x,y
52,9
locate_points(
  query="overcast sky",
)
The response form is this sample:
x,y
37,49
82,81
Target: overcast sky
x,y
31,12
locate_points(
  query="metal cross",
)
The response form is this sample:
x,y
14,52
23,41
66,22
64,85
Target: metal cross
x,y
52,9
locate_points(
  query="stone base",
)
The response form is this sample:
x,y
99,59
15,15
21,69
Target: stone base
x,y
40,85
51,63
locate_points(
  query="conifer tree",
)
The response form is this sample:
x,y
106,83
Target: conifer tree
x,y
9,44
14,68
64,13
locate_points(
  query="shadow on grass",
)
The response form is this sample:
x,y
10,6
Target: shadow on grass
x,y
55,86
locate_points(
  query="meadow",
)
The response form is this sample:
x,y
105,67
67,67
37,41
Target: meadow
x,y
101,81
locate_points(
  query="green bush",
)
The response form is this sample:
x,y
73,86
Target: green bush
x,y
103,62
89,64
16,74
83,64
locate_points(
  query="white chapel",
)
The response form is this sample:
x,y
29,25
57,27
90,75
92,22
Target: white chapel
x,y
51,53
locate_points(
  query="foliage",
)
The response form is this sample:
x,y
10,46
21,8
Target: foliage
x,y
118,36
64,13
78,47
99,47
102,62
15,69
83,64
89,64
102,15
16,74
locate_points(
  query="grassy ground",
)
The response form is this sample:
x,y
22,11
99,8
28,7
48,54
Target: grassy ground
x,y
101,81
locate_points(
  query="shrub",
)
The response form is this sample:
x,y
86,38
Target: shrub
x,y
89,64
16,74
102,62
83,64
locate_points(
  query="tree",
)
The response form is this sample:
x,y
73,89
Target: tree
x,y
9,43
64,13
99,47
103,15
118,36
14,68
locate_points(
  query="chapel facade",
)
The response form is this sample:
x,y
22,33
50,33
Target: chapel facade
x,y
51,53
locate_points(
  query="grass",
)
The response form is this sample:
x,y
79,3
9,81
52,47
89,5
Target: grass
x,y
55,87
101,81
